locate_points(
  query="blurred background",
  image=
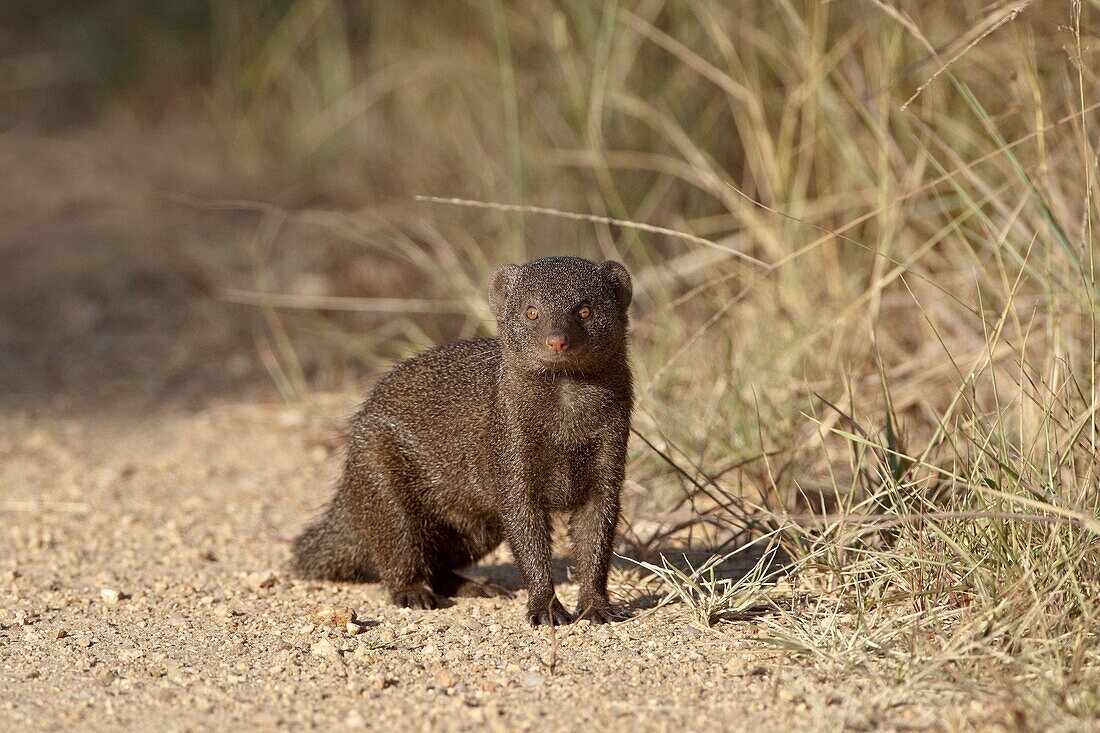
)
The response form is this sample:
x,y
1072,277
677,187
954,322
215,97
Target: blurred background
x,y
879,246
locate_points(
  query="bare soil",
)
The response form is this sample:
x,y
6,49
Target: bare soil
x,y
150,481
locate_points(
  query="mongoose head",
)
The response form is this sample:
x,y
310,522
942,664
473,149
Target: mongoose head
x,y
562,314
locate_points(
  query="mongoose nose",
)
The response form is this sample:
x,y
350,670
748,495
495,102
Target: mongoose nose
x,y
557,342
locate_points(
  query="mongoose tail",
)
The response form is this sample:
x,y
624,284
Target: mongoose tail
x,y
331,549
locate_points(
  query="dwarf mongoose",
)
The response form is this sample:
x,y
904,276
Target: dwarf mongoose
x,y
478,441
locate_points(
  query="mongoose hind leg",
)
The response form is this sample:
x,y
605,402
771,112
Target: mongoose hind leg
x,y
421,597
404,568
456,549
453,585
393,524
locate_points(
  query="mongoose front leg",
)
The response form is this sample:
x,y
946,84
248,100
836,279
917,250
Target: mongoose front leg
x,y
527,529
592,530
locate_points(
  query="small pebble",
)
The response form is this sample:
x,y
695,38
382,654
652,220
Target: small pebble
x,y
445,679
325,649
334,616
261,580
111,596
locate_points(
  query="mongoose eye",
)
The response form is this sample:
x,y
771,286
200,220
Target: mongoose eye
x,y
585,312
532,313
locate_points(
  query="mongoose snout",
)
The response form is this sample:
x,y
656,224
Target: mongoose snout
x,y
480,441
557,342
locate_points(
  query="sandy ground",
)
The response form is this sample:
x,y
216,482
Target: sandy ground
x,y
145,587
150,479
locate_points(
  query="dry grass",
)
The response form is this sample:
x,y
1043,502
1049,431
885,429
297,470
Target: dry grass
x,y
872,329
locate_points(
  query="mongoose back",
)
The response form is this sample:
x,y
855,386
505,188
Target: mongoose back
x,y
479,441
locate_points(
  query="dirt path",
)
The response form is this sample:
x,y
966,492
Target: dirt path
x,y
185,515
150,479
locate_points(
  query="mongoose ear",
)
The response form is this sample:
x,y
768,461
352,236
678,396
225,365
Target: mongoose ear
x,y
620,280
499,287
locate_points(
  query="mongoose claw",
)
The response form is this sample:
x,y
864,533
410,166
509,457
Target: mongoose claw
x,y
417,597
552,615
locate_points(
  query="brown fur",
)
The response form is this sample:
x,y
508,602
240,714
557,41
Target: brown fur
x,y
478,441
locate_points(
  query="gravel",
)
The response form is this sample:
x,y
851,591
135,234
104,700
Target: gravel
x,y
165,605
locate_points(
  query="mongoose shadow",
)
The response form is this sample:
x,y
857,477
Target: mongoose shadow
x,y
686,559
506,575
480,441
774,562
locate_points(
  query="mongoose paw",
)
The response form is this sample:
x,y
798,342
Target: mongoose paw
x,y
554,614
597,613
481,589
416,597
